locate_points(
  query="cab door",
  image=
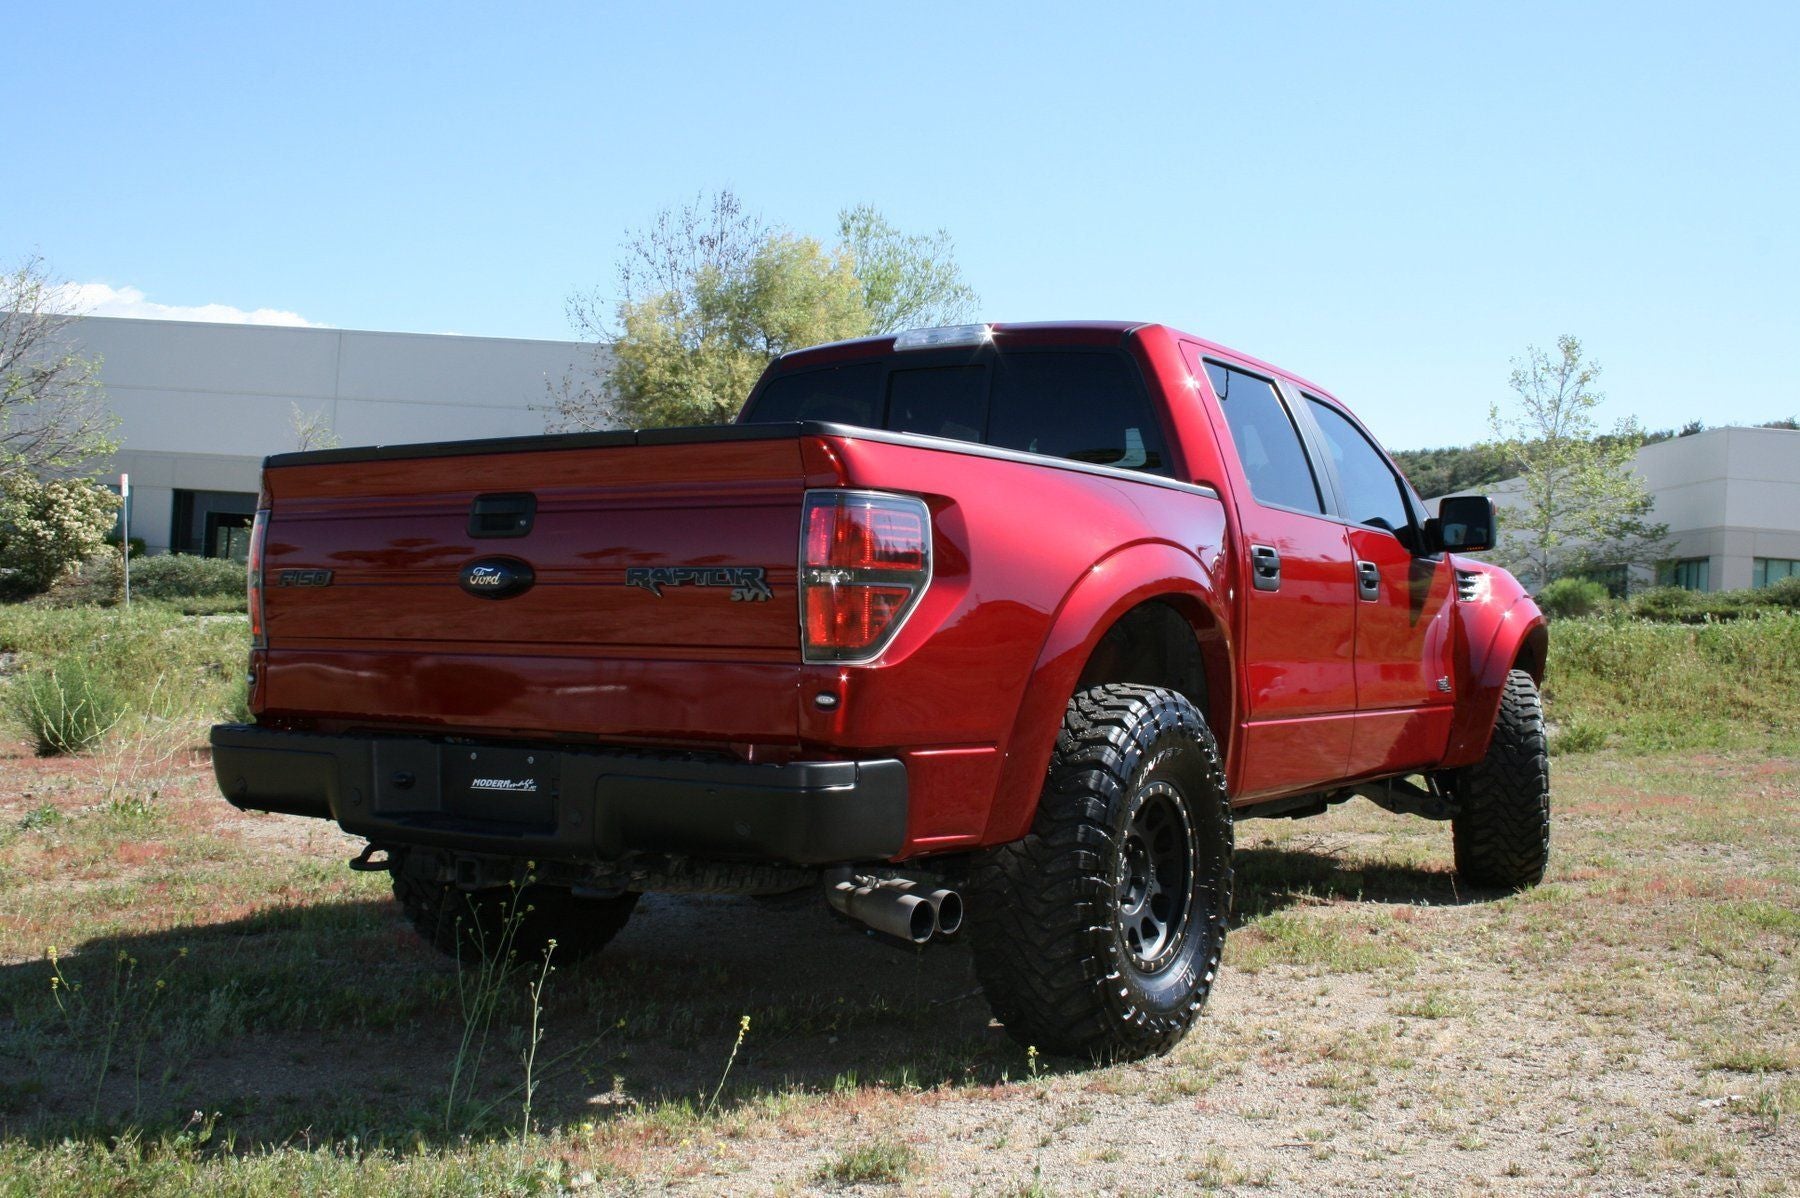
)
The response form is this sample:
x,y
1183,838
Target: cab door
x,y
1404,698
1297,608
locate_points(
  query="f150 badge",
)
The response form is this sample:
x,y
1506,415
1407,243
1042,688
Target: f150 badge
x,y
749,584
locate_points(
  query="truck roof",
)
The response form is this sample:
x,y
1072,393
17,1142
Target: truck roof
x,y
1025,333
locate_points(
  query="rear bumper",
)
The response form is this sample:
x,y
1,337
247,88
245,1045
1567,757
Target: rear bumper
x,y
581,805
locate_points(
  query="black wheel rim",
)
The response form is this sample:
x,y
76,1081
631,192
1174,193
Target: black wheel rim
x,y
1155,877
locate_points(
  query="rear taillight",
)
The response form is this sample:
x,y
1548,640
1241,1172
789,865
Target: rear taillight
x,y
258,529
865,558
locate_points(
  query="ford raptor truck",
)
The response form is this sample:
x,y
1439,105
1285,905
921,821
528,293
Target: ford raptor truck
x,y
996,628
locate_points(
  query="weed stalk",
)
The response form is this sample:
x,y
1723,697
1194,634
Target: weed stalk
x,y
743,1030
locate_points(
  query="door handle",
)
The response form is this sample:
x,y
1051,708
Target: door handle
x,y
1265,567
1368,580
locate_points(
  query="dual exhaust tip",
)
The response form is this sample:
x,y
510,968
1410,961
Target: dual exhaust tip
x,y
903,908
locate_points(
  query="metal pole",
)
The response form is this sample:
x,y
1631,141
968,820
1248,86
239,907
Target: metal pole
x,y
125,531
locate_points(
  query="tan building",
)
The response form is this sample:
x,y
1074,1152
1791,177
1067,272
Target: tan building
x,y
200,406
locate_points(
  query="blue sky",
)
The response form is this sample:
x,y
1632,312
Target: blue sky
x,y
1393,200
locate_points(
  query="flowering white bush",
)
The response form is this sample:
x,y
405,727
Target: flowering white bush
x,y
48,526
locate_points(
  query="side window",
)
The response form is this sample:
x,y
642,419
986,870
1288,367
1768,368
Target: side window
x,y
1372,493
839,394
1086,407
1267,442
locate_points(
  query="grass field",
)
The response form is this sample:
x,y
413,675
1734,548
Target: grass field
x,y
1652,687
198,1000
253,1017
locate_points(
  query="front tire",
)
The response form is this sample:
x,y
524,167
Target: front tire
x,y
1099,934
1502,826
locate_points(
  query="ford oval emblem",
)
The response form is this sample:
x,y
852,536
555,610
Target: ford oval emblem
x,y
497,577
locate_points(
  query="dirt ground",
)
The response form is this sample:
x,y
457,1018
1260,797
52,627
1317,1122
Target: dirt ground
x,y
1627,1028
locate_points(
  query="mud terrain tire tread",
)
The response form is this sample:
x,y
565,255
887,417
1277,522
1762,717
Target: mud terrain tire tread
x,y
1502,829
1041,909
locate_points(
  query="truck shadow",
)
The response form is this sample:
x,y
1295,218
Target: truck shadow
x,y
316,1023
1269,879
326,1021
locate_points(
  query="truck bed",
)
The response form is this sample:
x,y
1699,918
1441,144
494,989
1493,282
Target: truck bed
x,y
395,645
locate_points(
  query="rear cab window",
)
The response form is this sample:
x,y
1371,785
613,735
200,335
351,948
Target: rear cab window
x,y
1084,405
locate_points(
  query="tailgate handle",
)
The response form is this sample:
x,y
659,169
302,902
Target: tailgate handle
x,y
502,515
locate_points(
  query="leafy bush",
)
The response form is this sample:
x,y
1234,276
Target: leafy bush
x,y
1569,597
92,583
68,705
1784,594
1699,607
159,662
1657,686
197,586
47,527
185,576
1664,603
170,576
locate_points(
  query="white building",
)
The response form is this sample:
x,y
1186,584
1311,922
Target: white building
x,y
200,406
1731,499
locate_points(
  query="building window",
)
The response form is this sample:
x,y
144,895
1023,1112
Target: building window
x,y
1616,579
228,535
1688,573
1769,570
213,523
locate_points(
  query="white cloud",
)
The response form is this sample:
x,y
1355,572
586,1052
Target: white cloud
x,y
103,299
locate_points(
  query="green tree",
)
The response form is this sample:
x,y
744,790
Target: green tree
x,y
52,420
1581,506
691,356
54,434
909,281
708,294
1435,472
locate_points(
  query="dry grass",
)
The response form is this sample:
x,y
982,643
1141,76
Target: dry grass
x,y
1628,1027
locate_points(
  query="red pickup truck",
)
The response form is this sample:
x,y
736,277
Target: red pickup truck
x,y
1011,619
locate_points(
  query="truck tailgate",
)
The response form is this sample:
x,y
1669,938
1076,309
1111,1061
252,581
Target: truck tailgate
x,y
643,617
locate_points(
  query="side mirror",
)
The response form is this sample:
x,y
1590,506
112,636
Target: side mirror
x,y
1464,524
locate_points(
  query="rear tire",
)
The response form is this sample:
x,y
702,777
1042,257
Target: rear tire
x,y
471,925
1502,826
1099,933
